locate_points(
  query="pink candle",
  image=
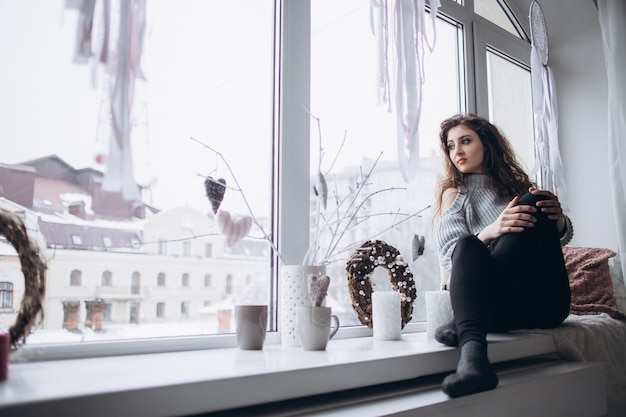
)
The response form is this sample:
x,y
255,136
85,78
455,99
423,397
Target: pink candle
x,y
4,356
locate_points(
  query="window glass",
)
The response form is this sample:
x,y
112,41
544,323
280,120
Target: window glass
x,y
207,81
495,11
506,79
76,278
204,108
344,64
6,295
107,279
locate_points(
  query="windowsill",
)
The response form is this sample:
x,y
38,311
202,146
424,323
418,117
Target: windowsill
x,y
203,381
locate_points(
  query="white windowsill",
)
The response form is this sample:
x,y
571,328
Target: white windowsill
x,y
201,381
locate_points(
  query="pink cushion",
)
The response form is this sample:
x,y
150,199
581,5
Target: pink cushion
x,y
590,281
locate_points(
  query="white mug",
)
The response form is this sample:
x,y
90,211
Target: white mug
x,y
314,327
251,326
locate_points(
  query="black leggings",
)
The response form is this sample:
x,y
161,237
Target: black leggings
x,y
518,282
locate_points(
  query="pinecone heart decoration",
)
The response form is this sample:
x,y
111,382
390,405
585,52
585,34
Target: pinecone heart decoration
x,y
318,287
215,190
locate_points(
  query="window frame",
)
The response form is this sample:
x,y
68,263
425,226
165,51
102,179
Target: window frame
x,y
6,294
291,155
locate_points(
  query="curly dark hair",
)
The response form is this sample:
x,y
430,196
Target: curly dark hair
x,y
500,162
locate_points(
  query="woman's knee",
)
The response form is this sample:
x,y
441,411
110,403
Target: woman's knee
x,y
468,246
530,199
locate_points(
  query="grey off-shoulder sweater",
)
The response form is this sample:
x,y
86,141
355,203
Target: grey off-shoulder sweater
x,y
476,206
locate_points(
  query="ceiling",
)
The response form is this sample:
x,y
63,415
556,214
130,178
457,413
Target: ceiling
x,y
565,19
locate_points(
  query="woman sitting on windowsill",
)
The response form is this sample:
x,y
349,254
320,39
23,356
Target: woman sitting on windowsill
x,y
500,242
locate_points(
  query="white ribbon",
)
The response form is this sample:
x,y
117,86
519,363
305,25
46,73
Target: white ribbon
x,y
411,43
124,70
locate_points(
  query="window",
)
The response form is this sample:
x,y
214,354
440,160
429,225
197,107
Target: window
x,y
161,279
229,285
160,310
106,312
135,283
107,279
134,313
186,248
193,119
503,71
76,277
185,280
162,247
6,294
344,98
499,13
184,309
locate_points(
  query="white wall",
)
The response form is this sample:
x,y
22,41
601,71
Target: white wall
x,y
581,82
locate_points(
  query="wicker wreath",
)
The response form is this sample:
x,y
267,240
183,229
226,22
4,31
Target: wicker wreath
x,y
370,255
34,270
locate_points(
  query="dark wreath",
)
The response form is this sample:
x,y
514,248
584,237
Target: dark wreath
x,y
370,255
34,270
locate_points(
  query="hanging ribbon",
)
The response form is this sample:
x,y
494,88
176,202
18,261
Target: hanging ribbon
x,y
411,43
547,156
124,69
121,60
86,8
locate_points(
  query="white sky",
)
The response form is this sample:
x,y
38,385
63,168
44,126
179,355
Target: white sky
x,y
202,74
204,77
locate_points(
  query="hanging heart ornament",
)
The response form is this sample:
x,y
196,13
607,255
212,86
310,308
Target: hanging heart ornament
x,y
417,246
215,190
318,288
233,229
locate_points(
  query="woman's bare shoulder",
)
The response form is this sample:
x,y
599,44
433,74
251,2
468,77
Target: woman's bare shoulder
x,y
448,197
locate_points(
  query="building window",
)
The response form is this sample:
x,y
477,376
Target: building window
x,y
77,240
106,312
106,240
134,313
184,309
208,280
160,310
76,277
186,248
162,247
161,279
135,283
185,280
107,279
208,250
229,284
6,294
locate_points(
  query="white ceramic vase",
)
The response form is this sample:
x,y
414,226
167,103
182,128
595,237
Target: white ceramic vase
x,y
294,293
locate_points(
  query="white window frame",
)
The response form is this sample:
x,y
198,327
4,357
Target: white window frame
x,y
291,128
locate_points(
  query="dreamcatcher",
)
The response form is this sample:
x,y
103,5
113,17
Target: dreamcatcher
x,y
547,156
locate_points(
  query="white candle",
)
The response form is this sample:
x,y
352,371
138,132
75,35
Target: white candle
x,y
444,278
386,315
438,310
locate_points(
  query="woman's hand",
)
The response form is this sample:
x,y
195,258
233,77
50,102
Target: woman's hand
x,y
513,219
551,206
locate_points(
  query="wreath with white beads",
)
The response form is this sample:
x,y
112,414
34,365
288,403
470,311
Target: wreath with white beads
x,y
366,258
34,271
